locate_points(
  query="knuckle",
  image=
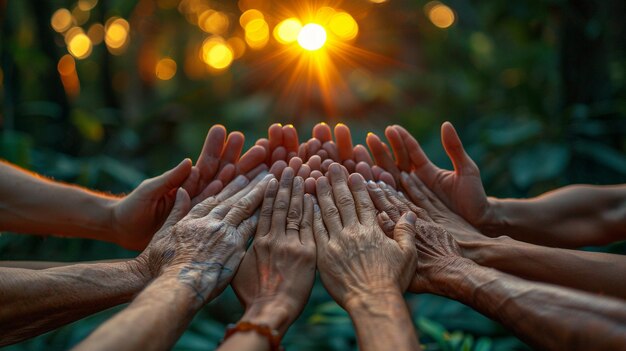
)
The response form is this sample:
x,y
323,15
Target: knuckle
x,y
294,213
345,200
330,211
281,205
293,225
267,211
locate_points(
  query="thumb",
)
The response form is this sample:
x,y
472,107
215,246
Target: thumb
x,y
455,150
172,179
180,209
404,232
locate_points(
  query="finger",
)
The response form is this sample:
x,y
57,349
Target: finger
x,y
248,226
277,168
425,169
364,207
244,207
362,155
316,174
279,154
213,188
343,138
281,204
331,150
388,179
251,159
265,144
304,171
295,164
397,145
209,159
227,173
182,205
386,224
461,161
302,151
404,233
380,201
209,202
381,156
261,168
290,138
275,136
325,165
323,154
350,165
376,172
313,146
225,200
365,170
320,234
321,132
331,217
315,162
232,149
306,224
158,186
191,184
309,186
267,209
392,196
343,196
294,215
411,185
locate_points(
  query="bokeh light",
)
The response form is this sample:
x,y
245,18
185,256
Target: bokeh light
x,y
213,22
79,45
96,33
69,78
257,33
61,20
165,68
439,14
216,53
249,16
343,26
87,5
287,31
312,37
116,35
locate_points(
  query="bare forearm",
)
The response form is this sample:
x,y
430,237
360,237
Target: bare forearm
x,y
33,204
153,321
36,301
573,216
588,271
543,315
383,323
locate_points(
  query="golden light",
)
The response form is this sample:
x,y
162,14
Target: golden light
x,y
439,14
257,33
69,77
238,46
214,22
287,31
96,33
80,16
116,34
312,37
79,46
165,68
61,20
216,53
87,5
343,26
249,16
324,14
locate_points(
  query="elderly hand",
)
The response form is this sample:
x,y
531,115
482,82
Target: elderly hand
x,y
275,278
355,258
204,247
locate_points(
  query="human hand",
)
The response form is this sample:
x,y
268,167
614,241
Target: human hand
x,y
138,215
461,190
277,273
203,248
356,259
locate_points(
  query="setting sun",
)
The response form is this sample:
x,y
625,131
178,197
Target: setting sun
x,y
312,37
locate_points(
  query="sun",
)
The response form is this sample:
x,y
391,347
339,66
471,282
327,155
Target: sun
x,y
312,37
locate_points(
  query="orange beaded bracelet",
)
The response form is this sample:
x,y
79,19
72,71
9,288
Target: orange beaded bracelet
x,y
272,335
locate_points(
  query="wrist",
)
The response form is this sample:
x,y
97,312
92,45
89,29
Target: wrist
x,y
275,313
494,219
452,280
373,302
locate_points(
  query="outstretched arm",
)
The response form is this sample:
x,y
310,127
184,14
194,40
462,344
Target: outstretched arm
x,y
545,316
36,301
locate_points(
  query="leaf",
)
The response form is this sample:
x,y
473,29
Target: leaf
x,y
483,344
537,163
435,331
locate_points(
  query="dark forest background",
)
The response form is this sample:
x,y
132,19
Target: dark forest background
x,y
537,90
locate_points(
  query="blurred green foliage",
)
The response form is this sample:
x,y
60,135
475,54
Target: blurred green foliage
x,y
536,88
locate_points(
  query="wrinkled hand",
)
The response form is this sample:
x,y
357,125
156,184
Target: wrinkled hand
x,y
278,271
204,247
137,216
355,257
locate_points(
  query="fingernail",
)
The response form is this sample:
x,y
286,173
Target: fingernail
x,y
323,123
316,208
411,218
404,176
289,126
371,185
